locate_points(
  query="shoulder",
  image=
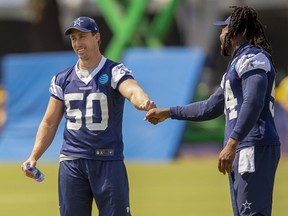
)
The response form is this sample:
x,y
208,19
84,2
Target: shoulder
x,y
252,59
109,63
120,73
121,69
58,81
61,76
117,68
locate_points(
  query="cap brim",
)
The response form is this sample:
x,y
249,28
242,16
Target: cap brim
x,y
223,23
220,23
68,31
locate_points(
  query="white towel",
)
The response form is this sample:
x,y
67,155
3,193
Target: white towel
x,y
246,160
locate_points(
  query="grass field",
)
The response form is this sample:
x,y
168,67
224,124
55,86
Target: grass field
x,y
179,188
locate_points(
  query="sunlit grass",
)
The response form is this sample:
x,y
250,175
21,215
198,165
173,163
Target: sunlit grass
x,y
181,188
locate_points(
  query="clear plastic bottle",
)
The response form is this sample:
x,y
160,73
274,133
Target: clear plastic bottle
x,y
38,175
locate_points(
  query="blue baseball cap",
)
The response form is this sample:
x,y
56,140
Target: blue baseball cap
x,y
223,23
83,24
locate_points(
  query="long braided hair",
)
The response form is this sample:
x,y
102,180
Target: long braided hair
x,y
244,21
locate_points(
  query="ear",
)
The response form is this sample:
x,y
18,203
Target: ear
x,y
97,35
98,38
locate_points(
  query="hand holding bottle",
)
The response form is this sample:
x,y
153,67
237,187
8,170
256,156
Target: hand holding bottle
x,y
38,175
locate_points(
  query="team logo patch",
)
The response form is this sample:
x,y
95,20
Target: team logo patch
x,y
78,22
103,79
247,205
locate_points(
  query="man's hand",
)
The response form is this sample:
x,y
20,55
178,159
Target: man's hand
x,y
227,155
155,115
147,105
32,162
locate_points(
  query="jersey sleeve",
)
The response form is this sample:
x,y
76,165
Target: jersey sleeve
x,y
55,90
211,108
254,90
250,62
119,74
252,69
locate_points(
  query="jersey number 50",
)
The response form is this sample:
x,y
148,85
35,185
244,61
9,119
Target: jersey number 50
x,y
77,113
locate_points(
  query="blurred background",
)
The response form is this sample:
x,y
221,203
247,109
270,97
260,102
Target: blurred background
x,y
174,51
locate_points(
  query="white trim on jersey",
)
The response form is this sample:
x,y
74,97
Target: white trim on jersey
x,y
55,89
86,80
252,62
222,81
117,73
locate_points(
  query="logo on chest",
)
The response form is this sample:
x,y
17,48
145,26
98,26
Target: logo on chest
x,y
103,79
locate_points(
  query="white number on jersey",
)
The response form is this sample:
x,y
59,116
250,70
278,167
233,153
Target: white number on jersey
x,y
77,113
271,104
230,101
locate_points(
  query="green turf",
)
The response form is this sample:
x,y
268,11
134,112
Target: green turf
x,y
181,188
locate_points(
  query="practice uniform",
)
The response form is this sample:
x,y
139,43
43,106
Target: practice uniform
x,y
246,96
91,160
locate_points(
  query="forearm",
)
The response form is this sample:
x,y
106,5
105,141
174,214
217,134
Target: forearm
x,y
135,94
138,99
247,118
43,140
201,111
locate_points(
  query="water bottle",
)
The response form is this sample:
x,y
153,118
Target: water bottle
x,y
38,175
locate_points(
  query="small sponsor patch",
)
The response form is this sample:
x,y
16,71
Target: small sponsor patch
x,y
104,152
103,79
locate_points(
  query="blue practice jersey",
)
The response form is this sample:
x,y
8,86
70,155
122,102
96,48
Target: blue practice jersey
x,y
93,110
246,96
250,113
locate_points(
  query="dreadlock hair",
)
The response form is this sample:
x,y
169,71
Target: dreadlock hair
x,y
244,21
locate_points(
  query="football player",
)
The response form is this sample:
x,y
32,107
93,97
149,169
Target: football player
x,y
246,95
90,95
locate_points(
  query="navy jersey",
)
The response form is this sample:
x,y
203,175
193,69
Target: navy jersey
x,y
93,110
250,120
247,97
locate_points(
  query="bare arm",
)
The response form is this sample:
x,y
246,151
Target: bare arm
x,y
131,90
46,132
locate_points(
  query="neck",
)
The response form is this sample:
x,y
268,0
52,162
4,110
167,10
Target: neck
x,y
237,42
90,63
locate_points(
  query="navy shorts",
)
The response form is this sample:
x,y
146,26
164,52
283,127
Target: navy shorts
x,y
80,181
252,191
